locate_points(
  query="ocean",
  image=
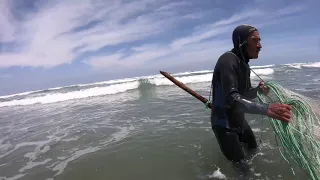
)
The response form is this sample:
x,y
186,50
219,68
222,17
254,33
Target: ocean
x,y
136,128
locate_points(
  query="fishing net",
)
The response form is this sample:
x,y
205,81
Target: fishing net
x,y
300,138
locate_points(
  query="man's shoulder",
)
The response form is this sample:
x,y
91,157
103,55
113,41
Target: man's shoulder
x,y
228,58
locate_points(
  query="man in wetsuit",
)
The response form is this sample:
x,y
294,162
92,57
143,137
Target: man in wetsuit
x,y
233,94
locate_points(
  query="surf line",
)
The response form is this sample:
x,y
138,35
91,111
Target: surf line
x,y
187,89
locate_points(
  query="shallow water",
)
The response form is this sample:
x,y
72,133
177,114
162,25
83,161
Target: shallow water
x,y
151,132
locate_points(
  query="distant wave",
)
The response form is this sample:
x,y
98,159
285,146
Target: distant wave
x,y
111,87
79,91
265,66
266,71
306,65
83,93
314,65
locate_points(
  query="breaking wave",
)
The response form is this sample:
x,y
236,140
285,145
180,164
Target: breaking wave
x,y
80,91
304,65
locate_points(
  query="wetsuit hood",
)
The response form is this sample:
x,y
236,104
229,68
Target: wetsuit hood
x,y
239,37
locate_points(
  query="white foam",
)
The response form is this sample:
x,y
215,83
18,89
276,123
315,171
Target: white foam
x,y
37,152
266,71
115,137
295,65
217,174
71,139
119,135
124,132
183,79
264,66
257,174
32,164
39,144
316,79
308,65
61,166
256,130
4,147
18,176
304,90
315,65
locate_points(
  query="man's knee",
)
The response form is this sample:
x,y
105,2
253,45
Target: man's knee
x,y
233,148
229,144
249,138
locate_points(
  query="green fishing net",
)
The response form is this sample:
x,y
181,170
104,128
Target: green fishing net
x,y
300,138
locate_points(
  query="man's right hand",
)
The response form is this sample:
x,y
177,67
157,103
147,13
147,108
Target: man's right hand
x,y
280,112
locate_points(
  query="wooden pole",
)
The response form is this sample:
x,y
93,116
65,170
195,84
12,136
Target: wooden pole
x,y
184,87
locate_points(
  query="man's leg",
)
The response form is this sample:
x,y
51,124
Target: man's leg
x,y
229,144
248,136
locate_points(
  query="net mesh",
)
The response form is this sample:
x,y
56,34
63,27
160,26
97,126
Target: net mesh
x,y
300,138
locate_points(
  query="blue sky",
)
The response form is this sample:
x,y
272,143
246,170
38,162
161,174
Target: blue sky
x,y
54,43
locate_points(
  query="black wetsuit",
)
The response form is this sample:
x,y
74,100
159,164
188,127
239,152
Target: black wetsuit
x,y
232,95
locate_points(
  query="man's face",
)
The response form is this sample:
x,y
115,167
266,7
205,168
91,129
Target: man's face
x,y
254,45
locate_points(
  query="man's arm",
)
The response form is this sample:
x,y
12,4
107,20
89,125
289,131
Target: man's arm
x,y
229,83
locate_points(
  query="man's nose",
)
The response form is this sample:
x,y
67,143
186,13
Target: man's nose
x,y
259,45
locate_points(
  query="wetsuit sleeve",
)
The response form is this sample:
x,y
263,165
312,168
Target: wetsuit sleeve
x,y
229,83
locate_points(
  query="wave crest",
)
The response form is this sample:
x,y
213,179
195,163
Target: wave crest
x,y
118,86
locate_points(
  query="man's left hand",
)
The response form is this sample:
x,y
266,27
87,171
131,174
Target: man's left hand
x,y
263,89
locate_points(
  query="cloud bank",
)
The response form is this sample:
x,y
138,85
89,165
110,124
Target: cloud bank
x,y
128,34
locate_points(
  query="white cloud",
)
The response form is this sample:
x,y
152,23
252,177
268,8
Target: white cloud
x,y
173,5
108,60
48,41
197,15
7,22
47,37
215,29
196,47
141,54
196,37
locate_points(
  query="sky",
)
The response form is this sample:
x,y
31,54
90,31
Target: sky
x,y
46,43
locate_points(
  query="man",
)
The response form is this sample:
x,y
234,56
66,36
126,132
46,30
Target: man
x,y
232,95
